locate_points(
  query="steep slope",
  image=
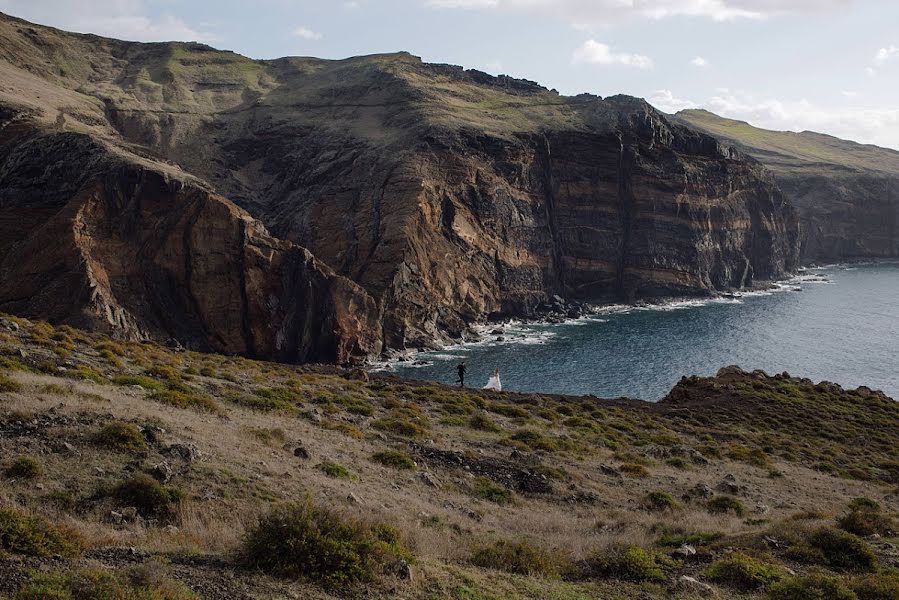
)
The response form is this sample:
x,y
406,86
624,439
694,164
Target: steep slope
x,y
115,244
447,195
847,193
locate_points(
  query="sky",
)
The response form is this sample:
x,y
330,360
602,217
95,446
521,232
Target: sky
x,y
823,65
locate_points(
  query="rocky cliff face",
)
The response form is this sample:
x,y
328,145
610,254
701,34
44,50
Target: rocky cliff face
x,y
429,195
120,247
847,194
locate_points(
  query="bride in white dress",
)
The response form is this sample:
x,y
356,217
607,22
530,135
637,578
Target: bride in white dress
x,y
494,383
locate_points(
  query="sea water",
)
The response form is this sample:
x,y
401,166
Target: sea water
x,y
843,326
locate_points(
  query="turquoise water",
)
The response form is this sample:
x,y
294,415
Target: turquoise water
x,y
844,329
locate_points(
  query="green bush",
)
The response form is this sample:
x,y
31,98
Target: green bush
x,y
333,469
519,557
24,467
842,551
8,385
813,587
865,523
138,583
726,504
402,425
744,573
659,501
34,536
121,437
147,383
395,459
883,586
634,470
864,504
181,399
631,564
482,422
148,496
527,439
486,489
302,541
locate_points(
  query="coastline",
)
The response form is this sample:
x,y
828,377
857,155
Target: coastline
x,y
530,331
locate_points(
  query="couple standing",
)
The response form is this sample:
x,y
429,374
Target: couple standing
x,y
492,384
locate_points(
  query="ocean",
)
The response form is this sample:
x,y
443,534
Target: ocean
x,y
843,326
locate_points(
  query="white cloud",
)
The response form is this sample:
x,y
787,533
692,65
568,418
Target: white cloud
x,y
122,19
306,34
850,93
866,125
699,62
666,101
595,12
886,54
593,52
870,71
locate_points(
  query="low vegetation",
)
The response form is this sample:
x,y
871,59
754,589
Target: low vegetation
x,y
499,495
303,541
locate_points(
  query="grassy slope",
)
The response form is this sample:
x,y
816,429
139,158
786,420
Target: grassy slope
x,y
785,151
791,452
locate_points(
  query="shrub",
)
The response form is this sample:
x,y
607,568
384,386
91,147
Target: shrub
x,y
864,504
508,410
843,551
87,374
631,564
332,469
744,573
395,459
726,504
122,437
274,399
148,496
181,399
519,557
883,586
24,467
399,426
482,422
813,587
660,501
634,470
678,463
138,583
486,489
147,383
302,541
34,536
8,385
864,523
527,439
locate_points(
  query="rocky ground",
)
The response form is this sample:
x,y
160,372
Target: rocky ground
x,y
134,471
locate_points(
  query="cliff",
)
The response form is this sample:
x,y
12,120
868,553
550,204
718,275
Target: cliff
x,y
847,194
445,195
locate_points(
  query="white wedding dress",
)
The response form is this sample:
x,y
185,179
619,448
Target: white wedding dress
x,y
494,383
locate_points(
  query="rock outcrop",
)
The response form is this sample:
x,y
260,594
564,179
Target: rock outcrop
x,y
847,194
122,248
430,197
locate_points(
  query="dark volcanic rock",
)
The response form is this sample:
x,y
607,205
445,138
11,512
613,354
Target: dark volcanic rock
x,y
429,196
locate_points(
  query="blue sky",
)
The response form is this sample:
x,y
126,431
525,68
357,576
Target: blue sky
x,y
824,65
